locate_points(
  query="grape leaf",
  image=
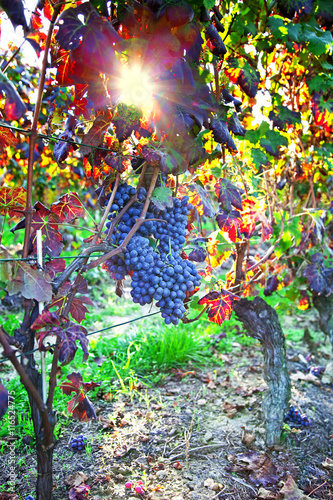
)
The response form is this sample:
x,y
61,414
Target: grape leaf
x,y
5,267
53,267
80,406
197,255
90,54
68,207
252,213
31,283
7,138
162,197
62,149
221,133
245,76
228,195
230,222
46,221
3,400
14,107
235,125
198,196
215,42
78,309
319,276
220,305
15,11
271,286
282,116
12,200
45,319
67,334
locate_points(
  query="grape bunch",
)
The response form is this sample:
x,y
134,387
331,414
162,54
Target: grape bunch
x,y
317,370
152,256
294,417
78,443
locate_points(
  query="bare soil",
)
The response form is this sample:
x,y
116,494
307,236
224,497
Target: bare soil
x,y
198,436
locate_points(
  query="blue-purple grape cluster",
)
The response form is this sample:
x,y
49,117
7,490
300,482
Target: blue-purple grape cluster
x,y
153,254
171,233
295,417
78,443
317,370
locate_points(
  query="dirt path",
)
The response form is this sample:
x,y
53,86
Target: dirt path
x,y
199,436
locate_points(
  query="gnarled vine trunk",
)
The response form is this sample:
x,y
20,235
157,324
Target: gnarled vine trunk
x,y
44,484
324,306
262,323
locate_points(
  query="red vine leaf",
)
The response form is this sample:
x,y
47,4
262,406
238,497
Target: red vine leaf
x,y
79,405
12,200
7,138
44,220
230,223
220,305
68,334
68,207
54,267
254,212
45,319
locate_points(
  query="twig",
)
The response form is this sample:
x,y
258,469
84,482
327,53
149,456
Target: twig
x,y
193,450
317,488
242,482
53,378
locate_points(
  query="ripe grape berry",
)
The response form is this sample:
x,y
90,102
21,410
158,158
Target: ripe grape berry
x,y
294,417
78,443
153,255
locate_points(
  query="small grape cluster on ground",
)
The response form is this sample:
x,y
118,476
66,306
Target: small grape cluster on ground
x,y
78,443
158,272
294,416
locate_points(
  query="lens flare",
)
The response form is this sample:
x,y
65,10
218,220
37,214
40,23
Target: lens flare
x,y
136,87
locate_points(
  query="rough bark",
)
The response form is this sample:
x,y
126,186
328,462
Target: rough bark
x,y
262,323
44,484
324,306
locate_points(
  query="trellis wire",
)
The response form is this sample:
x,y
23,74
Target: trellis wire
x,y
4,360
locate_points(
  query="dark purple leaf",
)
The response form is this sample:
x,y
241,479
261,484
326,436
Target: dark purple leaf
x,y
271,286
235,125
215,42
229,98
197,255
79,405
14,107
319,276
221,134
15,11
68,336
228,195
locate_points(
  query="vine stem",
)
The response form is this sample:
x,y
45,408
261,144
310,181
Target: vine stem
x,y
134,229
31,389
107,209
34,134
128,204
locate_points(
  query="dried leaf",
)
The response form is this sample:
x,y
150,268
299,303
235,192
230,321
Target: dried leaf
x,y
291,491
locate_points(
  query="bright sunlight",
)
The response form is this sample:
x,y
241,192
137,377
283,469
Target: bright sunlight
x,y
136,87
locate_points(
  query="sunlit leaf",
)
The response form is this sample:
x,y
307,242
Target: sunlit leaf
x,y
80,406
220,305
12,201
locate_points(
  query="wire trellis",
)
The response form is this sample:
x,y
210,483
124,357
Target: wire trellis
x,y
4,360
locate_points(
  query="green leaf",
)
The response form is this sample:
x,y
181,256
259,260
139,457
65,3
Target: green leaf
x,y
258,157
162,197
209,4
